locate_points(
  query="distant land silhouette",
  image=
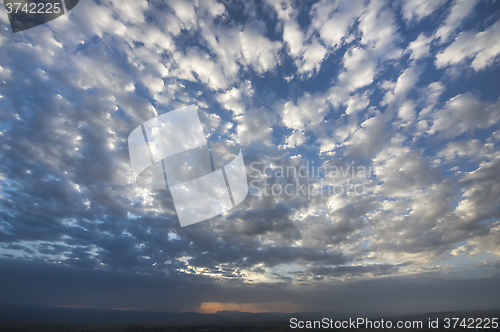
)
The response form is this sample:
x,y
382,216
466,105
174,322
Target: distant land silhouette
x,y
44,318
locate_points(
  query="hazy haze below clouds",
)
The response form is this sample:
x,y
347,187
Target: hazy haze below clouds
x,y
409,88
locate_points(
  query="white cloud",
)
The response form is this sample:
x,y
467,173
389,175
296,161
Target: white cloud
x,y
463,113
262,57
313,57
486,175
198,62
308,53
379,30
407,111
236,99
154,84
360,69
93,19
480,197
483,47
297,138
496,135
404,173
306,113
459,12
368,140
404,84
5,73
488,243
130,11
431,94
333,19
256,127
292,35
357,103
235,48
190,15
471,149
184,10
212,8
420,47
420,9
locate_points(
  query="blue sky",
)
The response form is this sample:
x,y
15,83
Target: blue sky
x,y
409,88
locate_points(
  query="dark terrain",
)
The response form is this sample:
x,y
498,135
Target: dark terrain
x,y
18,318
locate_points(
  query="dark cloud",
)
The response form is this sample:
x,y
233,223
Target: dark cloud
x,y
32,282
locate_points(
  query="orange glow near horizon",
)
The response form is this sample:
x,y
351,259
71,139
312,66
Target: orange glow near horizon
x,y
213,307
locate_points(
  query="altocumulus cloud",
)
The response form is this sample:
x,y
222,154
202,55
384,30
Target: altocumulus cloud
x,y
407,87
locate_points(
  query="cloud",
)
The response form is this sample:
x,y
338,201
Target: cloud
x,y
359,71
459,12
357,103
366,141
420,9
404,84
131,12
263,58
313,57
481,46
292,35
236,99
185,12
420,47
308,53
256,126
198,62
463,113
379,30
191,15
60,286
305,113
297,138
471,149
333,19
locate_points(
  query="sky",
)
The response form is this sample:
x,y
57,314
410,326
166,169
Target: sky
x,y
388,110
